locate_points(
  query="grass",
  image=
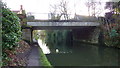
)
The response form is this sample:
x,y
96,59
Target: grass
x,y
43,59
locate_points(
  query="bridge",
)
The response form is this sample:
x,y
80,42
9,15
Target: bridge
x,y
60,25
80,30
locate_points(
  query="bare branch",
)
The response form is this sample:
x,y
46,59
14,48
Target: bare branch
x,y
60,10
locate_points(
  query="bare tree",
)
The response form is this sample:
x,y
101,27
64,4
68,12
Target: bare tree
x,y
93,7
59,10
88,5
64,9
54,15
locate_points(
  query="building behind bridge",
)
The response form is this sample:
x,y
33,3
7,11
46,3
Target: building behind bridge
x,y
22,15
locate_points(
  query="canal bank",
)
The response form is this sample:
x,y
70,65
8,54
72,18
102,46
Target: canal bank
x,y
37,57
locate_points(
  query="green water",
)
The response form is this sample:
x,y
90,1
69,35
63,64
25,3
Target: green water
x,y
81,54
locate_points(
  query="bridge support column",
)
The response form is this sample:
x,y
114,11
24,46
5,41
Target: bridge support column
x,y
31,30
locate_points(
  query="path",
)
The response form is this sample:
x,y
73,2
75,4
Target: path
x,y
34,57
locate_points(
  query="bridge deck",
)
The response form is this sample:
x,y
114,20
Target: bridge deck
x,y
58,25
63,23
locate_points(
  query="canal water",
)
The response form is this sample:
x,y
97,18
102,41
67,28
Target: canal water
x,y
80,54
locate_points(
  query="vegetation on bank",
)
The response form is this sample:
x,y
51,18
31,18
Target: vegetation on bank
x,y
43,59
111,28
12,45
55,38
11,34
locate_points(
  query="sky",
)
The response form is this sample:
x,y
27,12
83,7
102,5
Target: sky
x,y
41,8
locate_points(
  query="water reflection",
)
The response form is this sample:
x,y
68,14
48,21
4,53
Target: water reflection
x,y
79,54
43,46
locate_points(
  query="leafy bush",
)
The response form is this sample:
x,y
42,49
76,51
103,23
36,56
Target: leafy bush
x,y
11,33
112,31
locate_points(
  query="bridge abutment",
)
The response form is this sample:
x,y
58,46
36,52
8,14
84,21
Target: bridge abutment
x,y
27,35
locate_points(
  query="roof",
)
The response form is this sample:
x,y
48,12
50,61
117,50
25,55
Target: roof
x,y
19,11
85,18
16,11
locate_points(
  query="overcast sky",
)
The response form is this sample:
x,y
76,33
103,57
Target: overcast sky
x,y
40,8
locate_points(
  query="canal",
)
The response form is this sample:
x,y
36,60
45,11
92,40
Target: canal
x,y
80,54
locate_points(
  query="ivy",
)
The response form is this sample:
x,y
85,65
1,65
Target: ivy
x,y
11,33
113,33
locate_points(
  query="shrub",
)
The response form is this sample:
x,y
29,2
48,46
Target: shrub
x,y
11,33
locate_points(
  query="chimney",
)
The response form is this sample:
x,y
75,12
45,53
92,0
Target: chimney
x,y
21,7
